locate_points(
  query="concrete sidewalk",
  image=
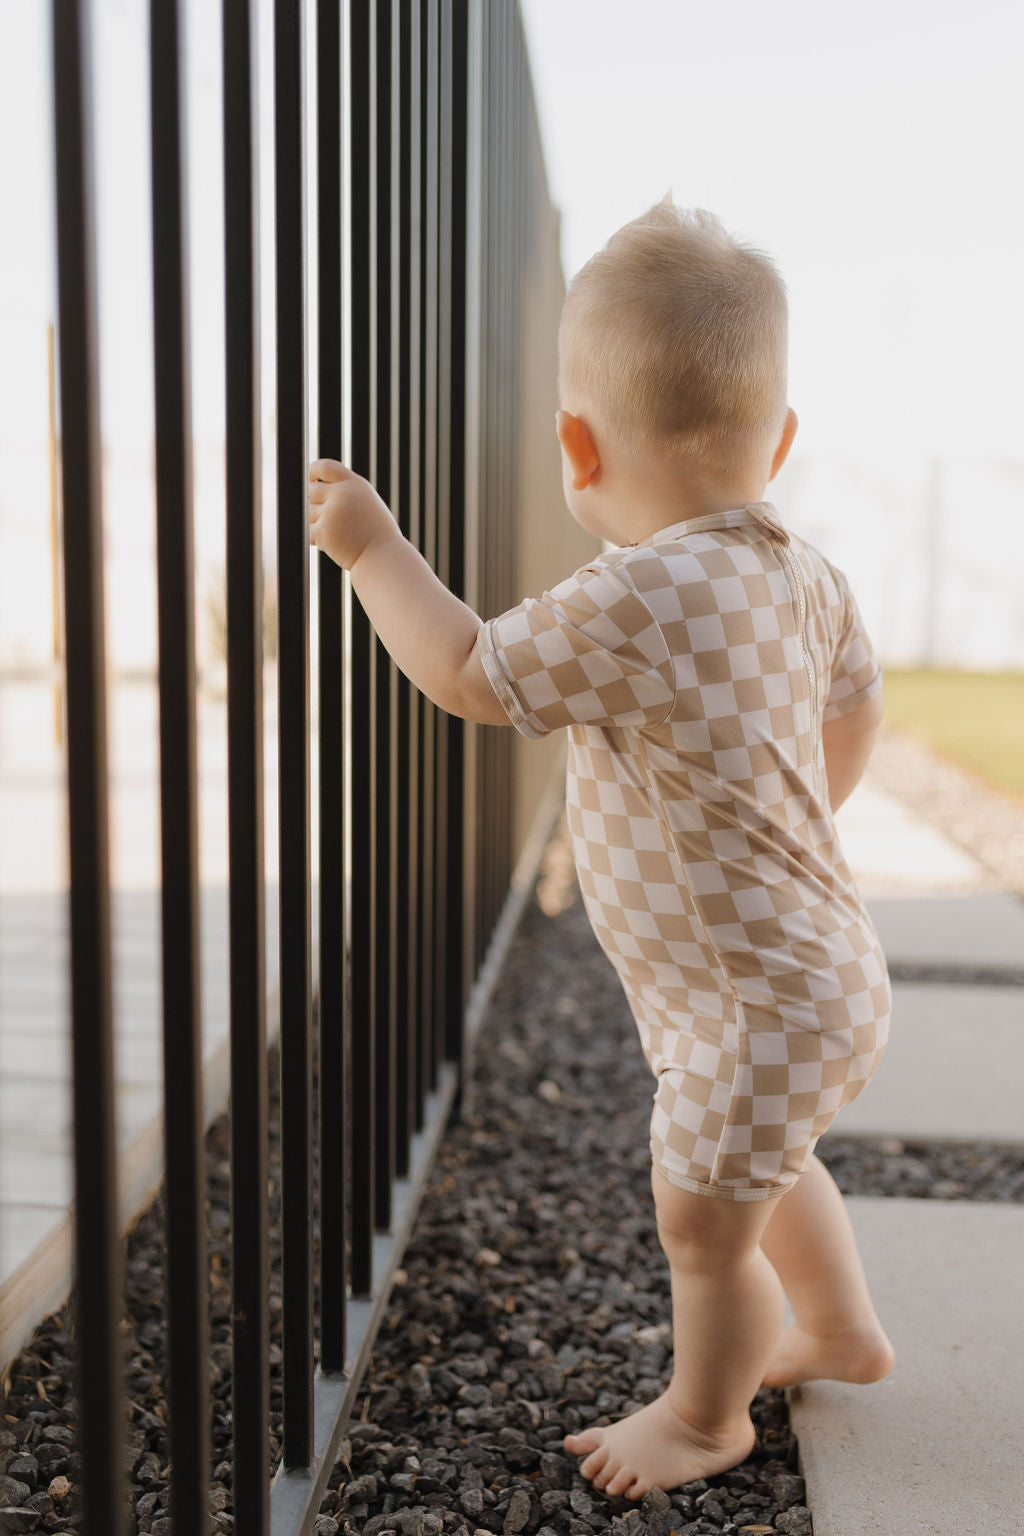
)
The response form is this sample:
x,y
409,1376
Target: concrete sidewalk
x,y
934,1448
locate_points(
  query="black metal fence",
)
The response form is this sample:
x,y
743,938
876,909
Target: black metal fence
x,y
428,185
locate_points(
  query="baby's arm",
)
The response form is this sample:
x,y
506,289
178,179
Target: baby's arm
x,y
423,626
848,740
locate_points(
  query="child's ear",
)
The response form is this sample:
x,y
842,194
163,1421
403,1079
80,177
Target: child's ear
x,y
579,448
785,442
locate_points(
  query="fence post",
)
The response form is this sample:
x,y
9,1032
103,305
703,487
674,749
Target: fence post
x,y
184,1149
97,1249
249,1220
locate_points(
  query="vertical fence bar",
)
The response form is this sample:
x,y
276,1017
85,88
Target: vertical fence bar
x,y
249,1238
97,1253
416,702
383,667
404,79
489,794
293,732
443,865
471,364
334,1021
429,416
362,809
184,1153
456,786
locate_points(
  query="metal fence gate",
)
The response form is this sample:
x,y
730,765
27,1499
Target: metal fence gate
x,y
428,178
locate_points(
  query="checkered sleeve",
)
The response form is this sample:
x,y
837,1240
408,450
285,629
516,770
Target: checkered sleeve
x,y
589,652
856,670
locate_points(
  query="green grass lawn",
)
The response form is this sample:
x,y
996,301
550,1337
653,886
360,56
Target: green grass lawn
x,y
974,718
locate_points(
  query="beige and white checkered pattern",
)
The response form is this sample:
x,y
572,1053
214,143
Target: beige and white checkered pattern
x,y
693,672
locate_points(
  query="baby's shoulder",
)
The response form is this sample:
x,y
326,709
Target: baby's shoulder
x,y
663,575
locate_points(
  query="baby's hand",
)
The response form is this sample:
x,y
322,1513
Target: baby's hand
x,y
345,513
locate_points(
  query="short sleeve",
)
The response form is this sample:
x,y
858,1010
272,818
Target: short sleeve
x,y
589,652
856,671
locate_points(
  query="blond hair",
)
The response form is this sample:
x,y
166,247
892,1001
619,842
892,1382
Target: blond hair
x,y
674,336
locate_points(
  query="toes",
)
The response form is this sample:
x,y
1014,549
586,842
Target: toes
x,y
624,1478
579,1445
638,1489
594,1464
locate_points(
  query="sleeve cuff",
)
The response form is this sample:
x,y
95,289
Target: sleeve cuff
x,y
498,681
853,700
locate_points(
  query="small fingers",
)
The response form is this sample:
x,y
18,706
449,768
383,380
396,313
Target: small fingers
x,y
328,470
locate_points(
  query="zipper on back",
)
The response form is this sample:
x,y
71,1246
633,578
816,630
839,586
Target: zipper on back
x,y
812,680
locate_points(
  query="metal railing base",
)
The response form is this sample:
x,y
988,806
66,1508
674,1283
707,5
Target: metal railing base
x,y
296,1494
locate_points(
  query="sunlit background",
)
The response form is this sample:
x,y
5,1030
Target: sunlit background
x,y
872,150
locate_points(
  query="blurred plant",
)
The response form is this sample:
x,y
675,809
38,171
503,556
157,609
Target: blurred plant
x,y
216,616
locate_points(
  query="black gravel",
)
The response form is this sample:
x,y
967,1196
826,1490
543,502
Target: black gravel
x,y
534,1299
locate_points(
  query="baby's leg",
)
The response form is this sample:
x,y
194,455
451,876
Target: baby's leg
x,y
727,1313
836,1333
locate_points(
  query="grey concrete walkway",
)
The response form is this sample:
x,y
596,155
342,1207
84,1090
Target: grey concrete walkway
x,y
934,1448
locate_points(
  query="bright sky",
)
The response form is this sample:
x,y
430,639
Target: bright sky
x,y
872,149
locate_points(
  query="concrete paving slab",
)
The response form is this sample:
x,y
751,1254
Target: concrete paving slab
x,y
953,1069
893,852
982,929
934,1448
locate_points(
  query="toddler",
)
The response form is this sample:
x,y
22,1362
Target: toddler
x,y
721,697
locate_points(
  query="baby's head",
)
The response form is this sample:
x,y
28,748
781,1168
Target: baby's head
x,y
672,344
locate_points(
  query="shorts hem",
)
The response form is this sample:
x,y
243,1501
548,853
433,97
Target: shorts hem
x,y
722,1191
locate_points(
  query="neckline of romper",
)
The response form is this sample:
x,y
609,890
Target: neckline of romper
x,y
761,514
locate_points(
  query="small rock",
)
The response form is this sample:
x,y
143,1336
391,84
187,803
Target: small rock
x,y
580,1502
469,1368
59,1433
794,1522
51,1458
325,1526
787,1489
554,1499
475,1395
361,1489
18,1518
555,1470
472,1502
518,1513
486,1258
59,1489
12,1492
25,1467
163,1526
147,1469
145,1506
757,1530
549,1091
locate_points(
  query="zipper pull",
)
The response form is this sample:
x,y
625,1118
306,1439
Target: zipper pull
x,y
768,518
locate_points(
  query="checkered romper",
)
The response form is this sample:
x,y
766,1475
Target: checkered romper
x,y
693,671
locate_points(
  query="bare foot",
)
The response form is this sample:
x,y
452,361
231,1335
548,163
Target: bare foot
x,y
854,1354
655,1448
